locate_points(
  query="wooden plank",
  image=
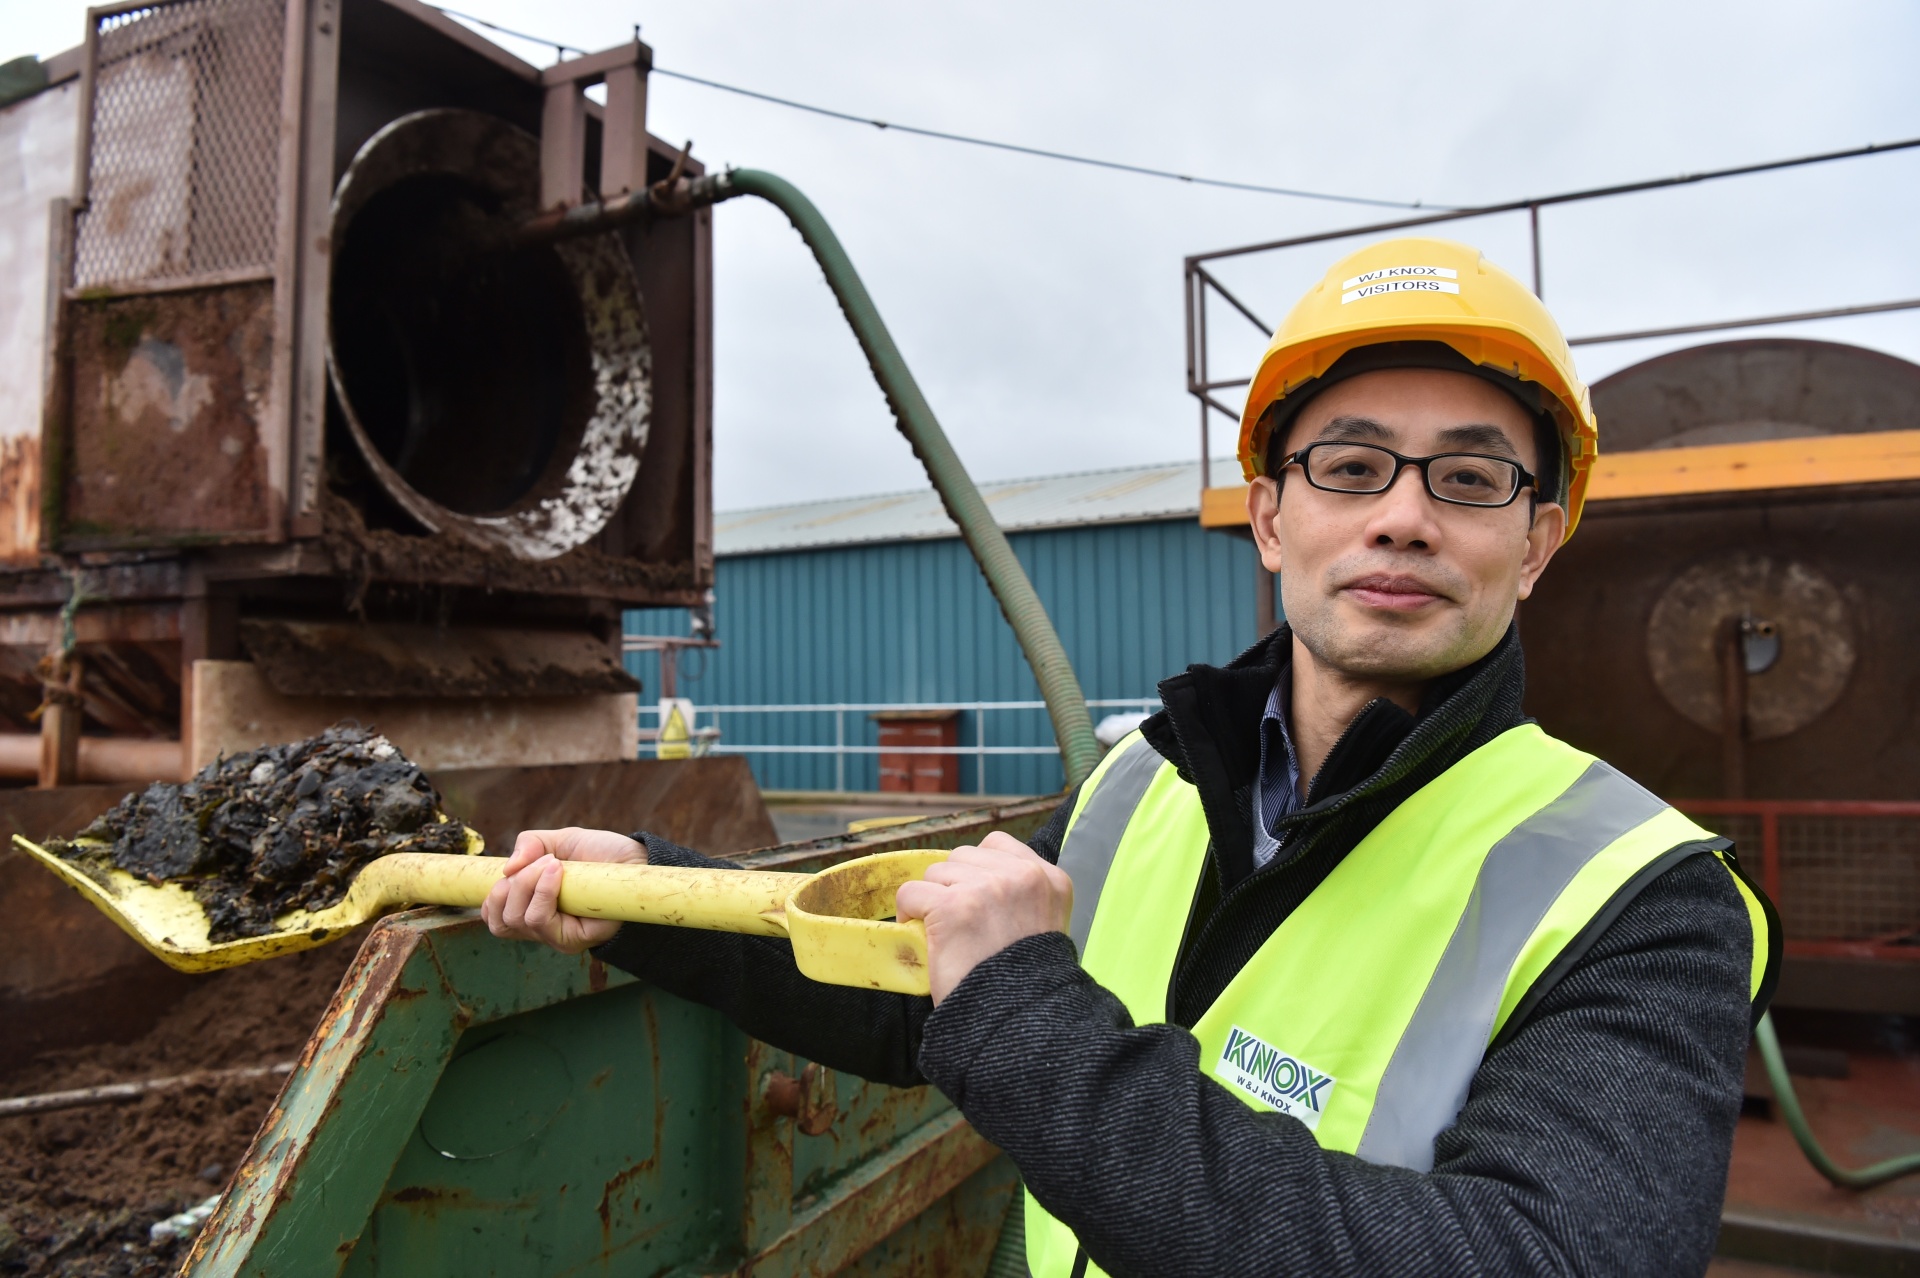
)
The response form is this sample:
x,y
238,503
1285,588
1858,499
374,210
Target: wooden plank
x,y
1224,507
1813,462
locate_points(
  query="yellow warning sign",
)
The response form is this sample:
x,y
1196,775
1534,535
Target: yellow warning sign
x,y
676,729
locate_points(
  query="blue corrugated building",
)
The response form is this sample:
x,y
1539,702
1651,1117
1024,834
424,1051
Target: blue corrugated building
x,y
875,601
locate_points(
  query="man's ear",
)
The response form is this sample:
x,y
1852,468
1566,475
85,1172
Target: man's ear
x,y
1543,538
1263,516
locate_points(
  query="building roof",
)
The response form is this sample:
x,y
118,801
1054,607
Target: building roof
x,y
1128,494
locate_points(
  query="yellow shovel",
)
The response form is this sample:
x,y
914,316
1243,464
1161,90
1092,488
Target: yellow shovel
x,y
837,919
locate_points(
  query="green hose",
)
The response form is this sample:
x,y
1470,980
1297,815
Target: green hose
x,y
1066,705
1783,1095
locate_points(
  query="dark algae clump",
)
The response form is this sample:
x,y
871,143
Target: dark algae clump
x,y
276,829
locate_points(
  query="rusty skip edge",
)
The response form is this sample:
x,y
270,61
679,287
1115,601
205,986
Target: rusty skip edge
x,y
331,1074
876,1199
949,830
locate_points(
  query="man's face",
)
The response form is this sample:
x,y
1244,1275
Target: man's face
x,y
1397,585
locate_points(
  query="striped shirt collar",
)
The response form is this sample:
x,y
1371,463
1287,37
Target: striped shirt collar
x,y
1277,792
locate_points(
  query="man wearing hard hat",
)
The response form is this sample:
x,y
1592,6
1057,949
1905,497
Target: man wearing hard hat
x,y
1338,965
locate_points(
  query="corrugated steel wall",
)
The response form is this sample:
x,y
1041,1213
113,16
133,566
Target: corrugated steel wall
x,y
914,621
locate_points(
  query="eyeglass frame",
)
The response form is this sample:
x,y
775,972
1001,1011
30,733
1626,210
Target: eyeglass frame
x,y
1529,482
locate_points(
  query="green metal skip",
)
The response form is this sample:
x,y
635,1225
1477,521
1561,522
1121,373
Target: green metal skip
x,y
477,1108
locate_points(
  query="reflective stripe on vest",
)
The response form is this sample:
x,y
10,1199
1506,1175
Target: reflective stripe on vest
x,y
1098,824
1367,1012
1432,1066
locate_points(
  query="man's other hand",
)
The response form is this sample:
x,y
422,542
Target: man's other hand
x,y
982,899
525,904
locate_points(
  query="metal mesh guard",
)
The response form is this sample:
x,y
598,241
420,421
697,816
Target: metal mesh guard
x,y
1842,877
184,172
1854,878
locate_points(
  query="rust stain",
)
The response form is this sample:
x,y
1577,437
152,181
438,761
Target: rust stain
x,y
462,1010
169,396
414,1194
20,498
895,1106
913,1176
596,975
783,1094
380,963
446,559
614,1186
612,1191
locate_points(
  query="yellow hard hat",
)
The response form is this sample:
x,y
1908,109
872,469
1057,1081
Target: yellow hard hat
x,y
1418,290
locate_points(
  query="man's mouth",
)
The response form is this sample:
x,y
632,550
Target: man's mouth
x,y
1394,593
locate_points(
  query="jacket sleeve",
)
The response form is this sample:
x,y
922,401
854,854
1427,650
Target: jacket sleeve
x,y
1595,1140
752,981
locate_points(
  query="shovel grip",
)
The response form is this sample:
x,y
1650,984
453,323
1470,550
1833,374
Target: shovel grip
x,y
746,901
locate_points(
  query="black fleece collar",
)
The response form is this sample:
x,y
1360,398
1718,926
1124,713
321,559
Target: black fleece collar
x,y
1210,730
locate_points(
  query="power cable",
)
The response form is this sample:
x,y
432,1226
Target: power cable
x,y
968,140
1116,165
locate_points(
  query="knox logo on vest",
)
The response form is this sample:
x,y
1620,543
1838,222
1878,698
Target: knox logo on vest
x,y
1274,1078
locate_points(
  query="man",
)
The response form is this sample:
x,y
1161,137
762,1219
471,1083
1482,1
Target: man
x,y
1339,965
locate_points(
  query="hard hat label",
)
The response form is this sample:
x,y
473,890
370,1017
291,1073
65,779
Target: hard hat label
x,y
1274,1078
1398,286
1402,273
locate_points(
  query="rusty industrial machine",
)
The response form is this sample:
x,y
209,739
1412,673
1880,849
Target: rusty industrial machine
x,y
1733,627
300,455
279,448
311,408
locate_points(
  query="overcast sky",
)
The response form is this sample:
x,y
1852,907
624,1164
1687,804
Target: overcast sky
x,y
1040,303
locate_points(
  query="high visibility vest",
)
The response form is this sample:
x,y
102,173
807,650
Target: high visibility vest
x,y
1366,1013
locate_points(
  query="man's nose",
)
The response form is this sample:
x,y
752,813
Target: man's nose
x,y
1403,515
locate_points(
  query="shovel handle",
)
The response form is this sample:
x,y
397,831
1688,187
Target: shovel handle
x,y
748,901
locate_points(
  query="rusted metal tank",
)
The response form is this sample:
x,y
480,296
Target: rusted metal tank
x,y
254,480
276,387
1779,552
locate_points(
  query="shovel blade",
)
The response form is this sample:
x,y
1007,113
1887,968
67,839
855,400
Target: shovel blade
x,y
172,925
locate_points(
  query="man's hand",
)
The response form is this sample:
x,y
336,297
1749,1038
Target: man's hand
x,y
525,904
982,899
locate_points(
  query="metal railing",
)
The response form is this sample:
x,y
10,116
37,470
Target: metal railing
x,y
840,748
1844,874
1201,283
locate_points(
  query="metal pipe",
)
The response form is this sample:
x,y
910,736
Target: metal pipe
x,y
1733,709
1533,230
102,759
1783,1093
1066,705
1754,321
1565,197
114,1093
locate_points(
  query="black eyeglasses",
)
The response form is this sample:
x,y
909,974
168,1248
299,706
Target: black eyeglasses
x,y
1464,479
